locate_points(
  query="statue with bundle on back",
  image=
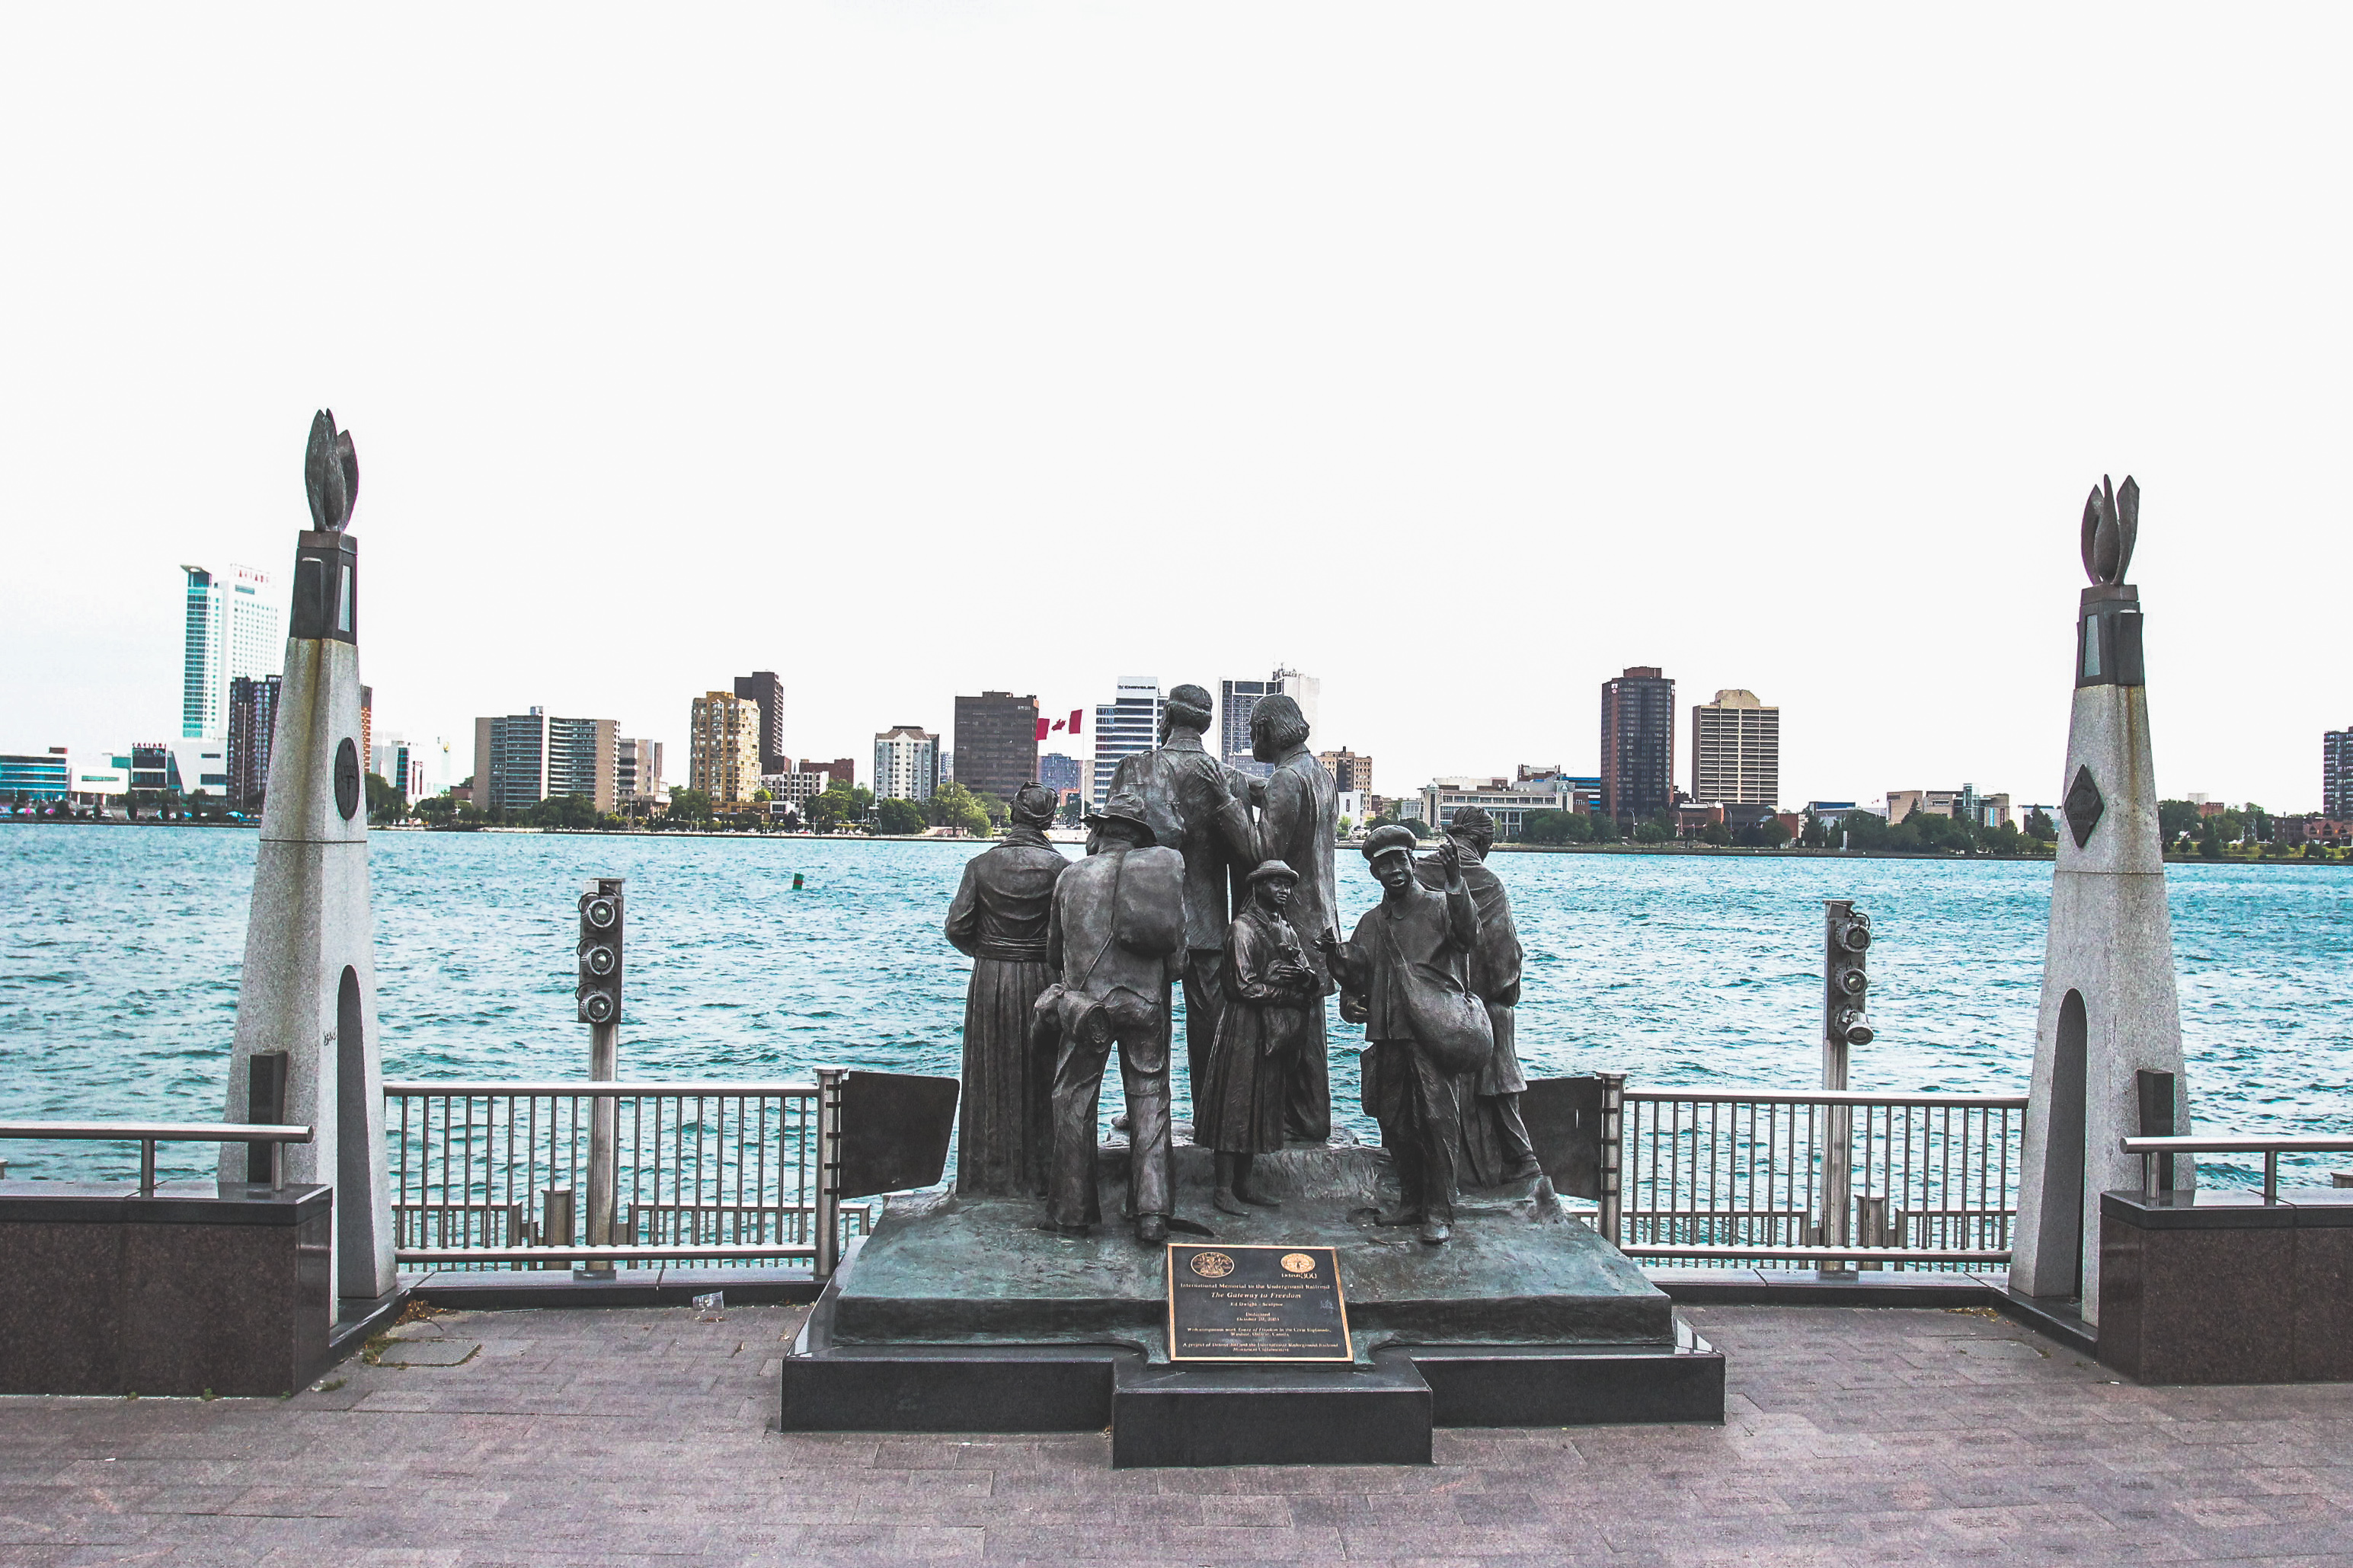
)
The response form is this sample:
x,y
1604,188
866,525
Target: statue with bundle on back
x,y
1115,938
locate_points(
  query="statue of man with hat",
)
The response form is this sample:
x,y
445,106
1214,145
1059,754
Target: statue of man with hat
x,y
999,918
1114,938
1197,807
1495,1144
1405,974
1239,1102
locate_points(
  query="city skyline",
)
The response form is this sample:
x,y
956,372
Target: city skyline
x,y
1662,448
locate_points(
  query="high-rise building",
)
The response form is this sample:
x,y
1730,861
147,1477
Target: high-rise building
x,y
233,620
1638,743
1348,770
523,759
906,762
1736,750
1235,699
722,748
995,742
2337,774
840,771
1059,773
762,686
367,721
1127,725
637,765
252,724
397,762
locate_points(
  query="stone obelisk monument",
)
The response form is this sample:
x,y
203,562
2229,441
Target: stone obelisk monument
x,y
306,1031
2109,1037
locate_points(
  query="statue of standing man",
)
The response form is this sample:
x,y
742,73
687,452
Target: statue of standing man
x,y
1116,932
1299,825
1195,806
998,919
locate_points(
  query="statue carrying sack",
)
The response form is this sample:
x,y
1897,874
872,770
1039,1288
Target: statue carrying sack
x,y
1449,1023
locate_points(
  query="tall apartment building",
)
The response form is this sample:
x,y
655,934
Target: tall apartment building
x,y
1128,724
762,686
2336,774
722,748
1236,698
638,767
522,759
1348,770
1638,743
840,771
907,762
995,742
252,724
1736,750
232,629
367,721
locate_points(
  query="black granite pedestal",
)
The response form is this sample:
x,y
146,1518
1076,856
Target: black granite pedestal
x,y
221,1287
963,1315
2222,1287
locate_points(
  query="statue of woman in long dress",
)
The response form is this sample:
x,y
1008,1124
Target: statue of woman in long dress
x,y
1270,984
1004,1123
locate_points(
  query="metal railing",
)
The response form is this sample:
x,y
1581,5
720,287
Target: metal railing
x,y
1731,1176
487,1174
147,1134
2154,1150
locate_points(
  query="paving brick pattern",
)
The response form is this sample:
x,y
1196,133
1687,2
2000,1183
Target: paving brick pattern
x,y
639,1438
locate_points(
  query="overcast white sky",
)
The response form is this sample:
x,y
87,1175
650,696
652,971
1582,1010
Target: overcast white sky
x,y
1457,355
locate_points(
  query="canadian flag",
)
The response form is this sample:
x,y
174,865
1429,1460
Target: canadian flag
x,y
1069,724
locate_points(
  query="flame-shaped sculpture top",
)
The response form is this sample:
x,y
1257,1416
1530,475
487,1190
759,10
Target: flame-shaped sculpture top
x,y
331,473
2110,518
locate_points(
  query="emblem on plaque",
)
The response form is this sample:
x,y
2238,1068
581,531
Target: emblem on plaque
x,y
1212,1265
1298,1263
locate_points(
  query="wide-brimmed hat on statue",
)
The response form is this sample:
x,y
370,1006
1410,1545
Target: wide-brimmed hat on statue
x,y
1126,806
1388,838
1268,871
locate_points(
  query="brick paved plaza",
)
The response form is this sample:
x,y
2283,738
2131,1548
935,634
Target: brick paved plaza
x,y
638,1437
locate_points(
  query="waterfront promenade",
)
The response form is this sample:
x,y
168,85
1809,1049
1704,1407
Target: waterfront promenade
x,y
634,1437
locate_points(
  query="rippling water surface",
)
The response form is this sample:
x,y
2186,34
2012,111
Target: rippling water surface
x,y
119,972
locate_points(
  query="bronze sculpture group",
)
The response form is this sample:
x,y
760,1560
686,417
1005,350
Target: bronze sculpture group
x,y
1198,876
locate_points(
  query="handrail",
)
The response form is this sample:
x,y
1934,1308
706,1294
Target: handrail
x,y
584,1090
2271,1148
627,1254
147,1134
1825,1096
2285,1143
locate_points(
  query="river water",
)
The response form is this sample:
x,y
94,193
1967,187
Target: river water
x,y
119,972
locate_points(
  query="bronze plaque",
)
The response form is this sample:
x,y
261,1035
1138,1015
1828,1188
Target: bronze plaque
x,y
1255,1304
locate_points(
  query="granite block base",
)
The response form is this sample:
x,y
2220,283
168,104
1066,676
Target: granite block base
x,y
199,1287
1192,1416
2222,1287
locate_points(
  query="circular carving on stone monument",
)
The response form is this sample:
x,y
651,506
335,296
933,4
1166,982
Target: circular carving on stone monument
x,y
1212,1265
1298,1263
347,778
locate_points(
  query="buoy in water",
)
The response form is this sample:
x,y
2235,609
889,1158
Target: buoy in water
x,y
796,882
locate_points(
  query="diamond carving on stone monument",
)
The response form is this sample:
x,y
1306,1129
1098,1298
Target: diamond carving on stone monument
x,y
2082,807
